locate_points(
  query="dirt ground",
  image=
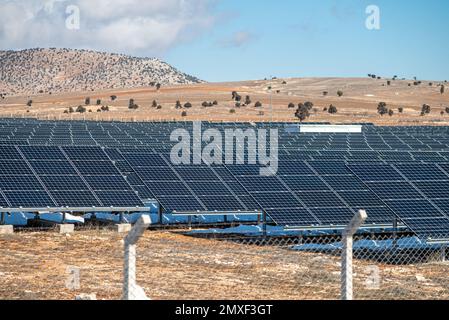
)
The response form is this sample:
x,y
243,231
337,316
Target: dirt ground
x,y
34,265
358,103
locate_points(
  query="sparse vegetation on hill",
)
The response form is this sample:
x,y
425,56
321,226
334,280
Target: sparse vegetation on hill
x,y
67,70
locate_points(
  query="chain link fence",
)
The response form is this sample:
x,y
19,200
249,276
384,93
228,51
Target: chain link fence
x,y
42,264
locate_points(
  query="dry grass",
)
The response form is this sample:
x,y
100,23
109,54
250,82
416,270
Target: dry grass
x,y
358,104
172,266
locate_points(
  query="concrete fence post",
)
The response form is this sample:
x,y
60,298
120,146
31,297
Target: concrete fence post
x,y
131,291
346,255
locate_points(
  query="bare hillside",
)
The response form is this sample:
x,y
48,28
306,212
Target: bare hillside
x,y
36,71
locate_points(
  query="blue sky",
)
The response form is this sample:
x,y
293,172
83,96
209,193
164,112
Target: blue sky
x,y
223,40
294,38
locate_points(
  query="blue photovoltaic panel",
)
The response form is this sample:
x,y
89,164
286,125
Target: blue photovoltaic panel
x,y
74,198
107,183
13,183
118,198
14,167
53,168
85,153
297,217
412,197
64,183
30,199
42,153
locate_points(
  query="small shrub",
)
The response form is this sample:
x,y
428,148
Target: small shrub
x,y
188,105
258,104
81,109
332,109
340,93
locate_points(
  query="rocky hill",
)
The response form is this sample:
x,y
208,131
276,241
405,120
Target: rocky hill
x,y
34,71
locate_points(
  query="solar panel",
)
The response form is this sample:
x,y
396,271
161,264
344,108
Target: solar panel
x,y
74,198
411,196
29,199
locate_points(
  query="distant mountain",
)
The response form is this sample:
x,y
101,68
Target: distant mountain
x,y
35,71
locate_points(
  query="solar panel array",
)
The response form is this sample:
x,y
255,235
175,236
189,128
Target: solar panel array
x,y
323,178
55,177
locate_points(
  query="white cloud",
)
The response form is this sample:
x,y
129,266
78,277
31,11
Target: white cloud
x,y
148,28
238,39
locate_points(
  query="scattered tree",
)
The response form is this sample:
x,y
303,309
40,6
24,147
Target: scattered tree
x,y
232,111
258,104
291,105
71,110
390,112
184,114
340,93
382,108
154,104
113,97
325,93
426,109
442,89
302,113
178,105
388,83
87,101
159,107
248,100
188,105
132,105
215,103
447,109
81,109
98,102
401,110
29,103
104,108
332,109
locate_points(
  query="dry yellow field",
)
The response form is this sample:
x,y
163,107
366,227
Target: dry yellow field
x,y
33,265
358,103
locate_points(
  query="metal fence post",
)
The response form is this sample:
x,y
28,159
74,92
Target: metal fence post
x,y
131,291
346,255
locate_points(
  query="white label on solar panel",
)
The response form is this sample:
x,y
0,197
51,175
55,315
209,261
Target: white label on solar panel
x,y
330,129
